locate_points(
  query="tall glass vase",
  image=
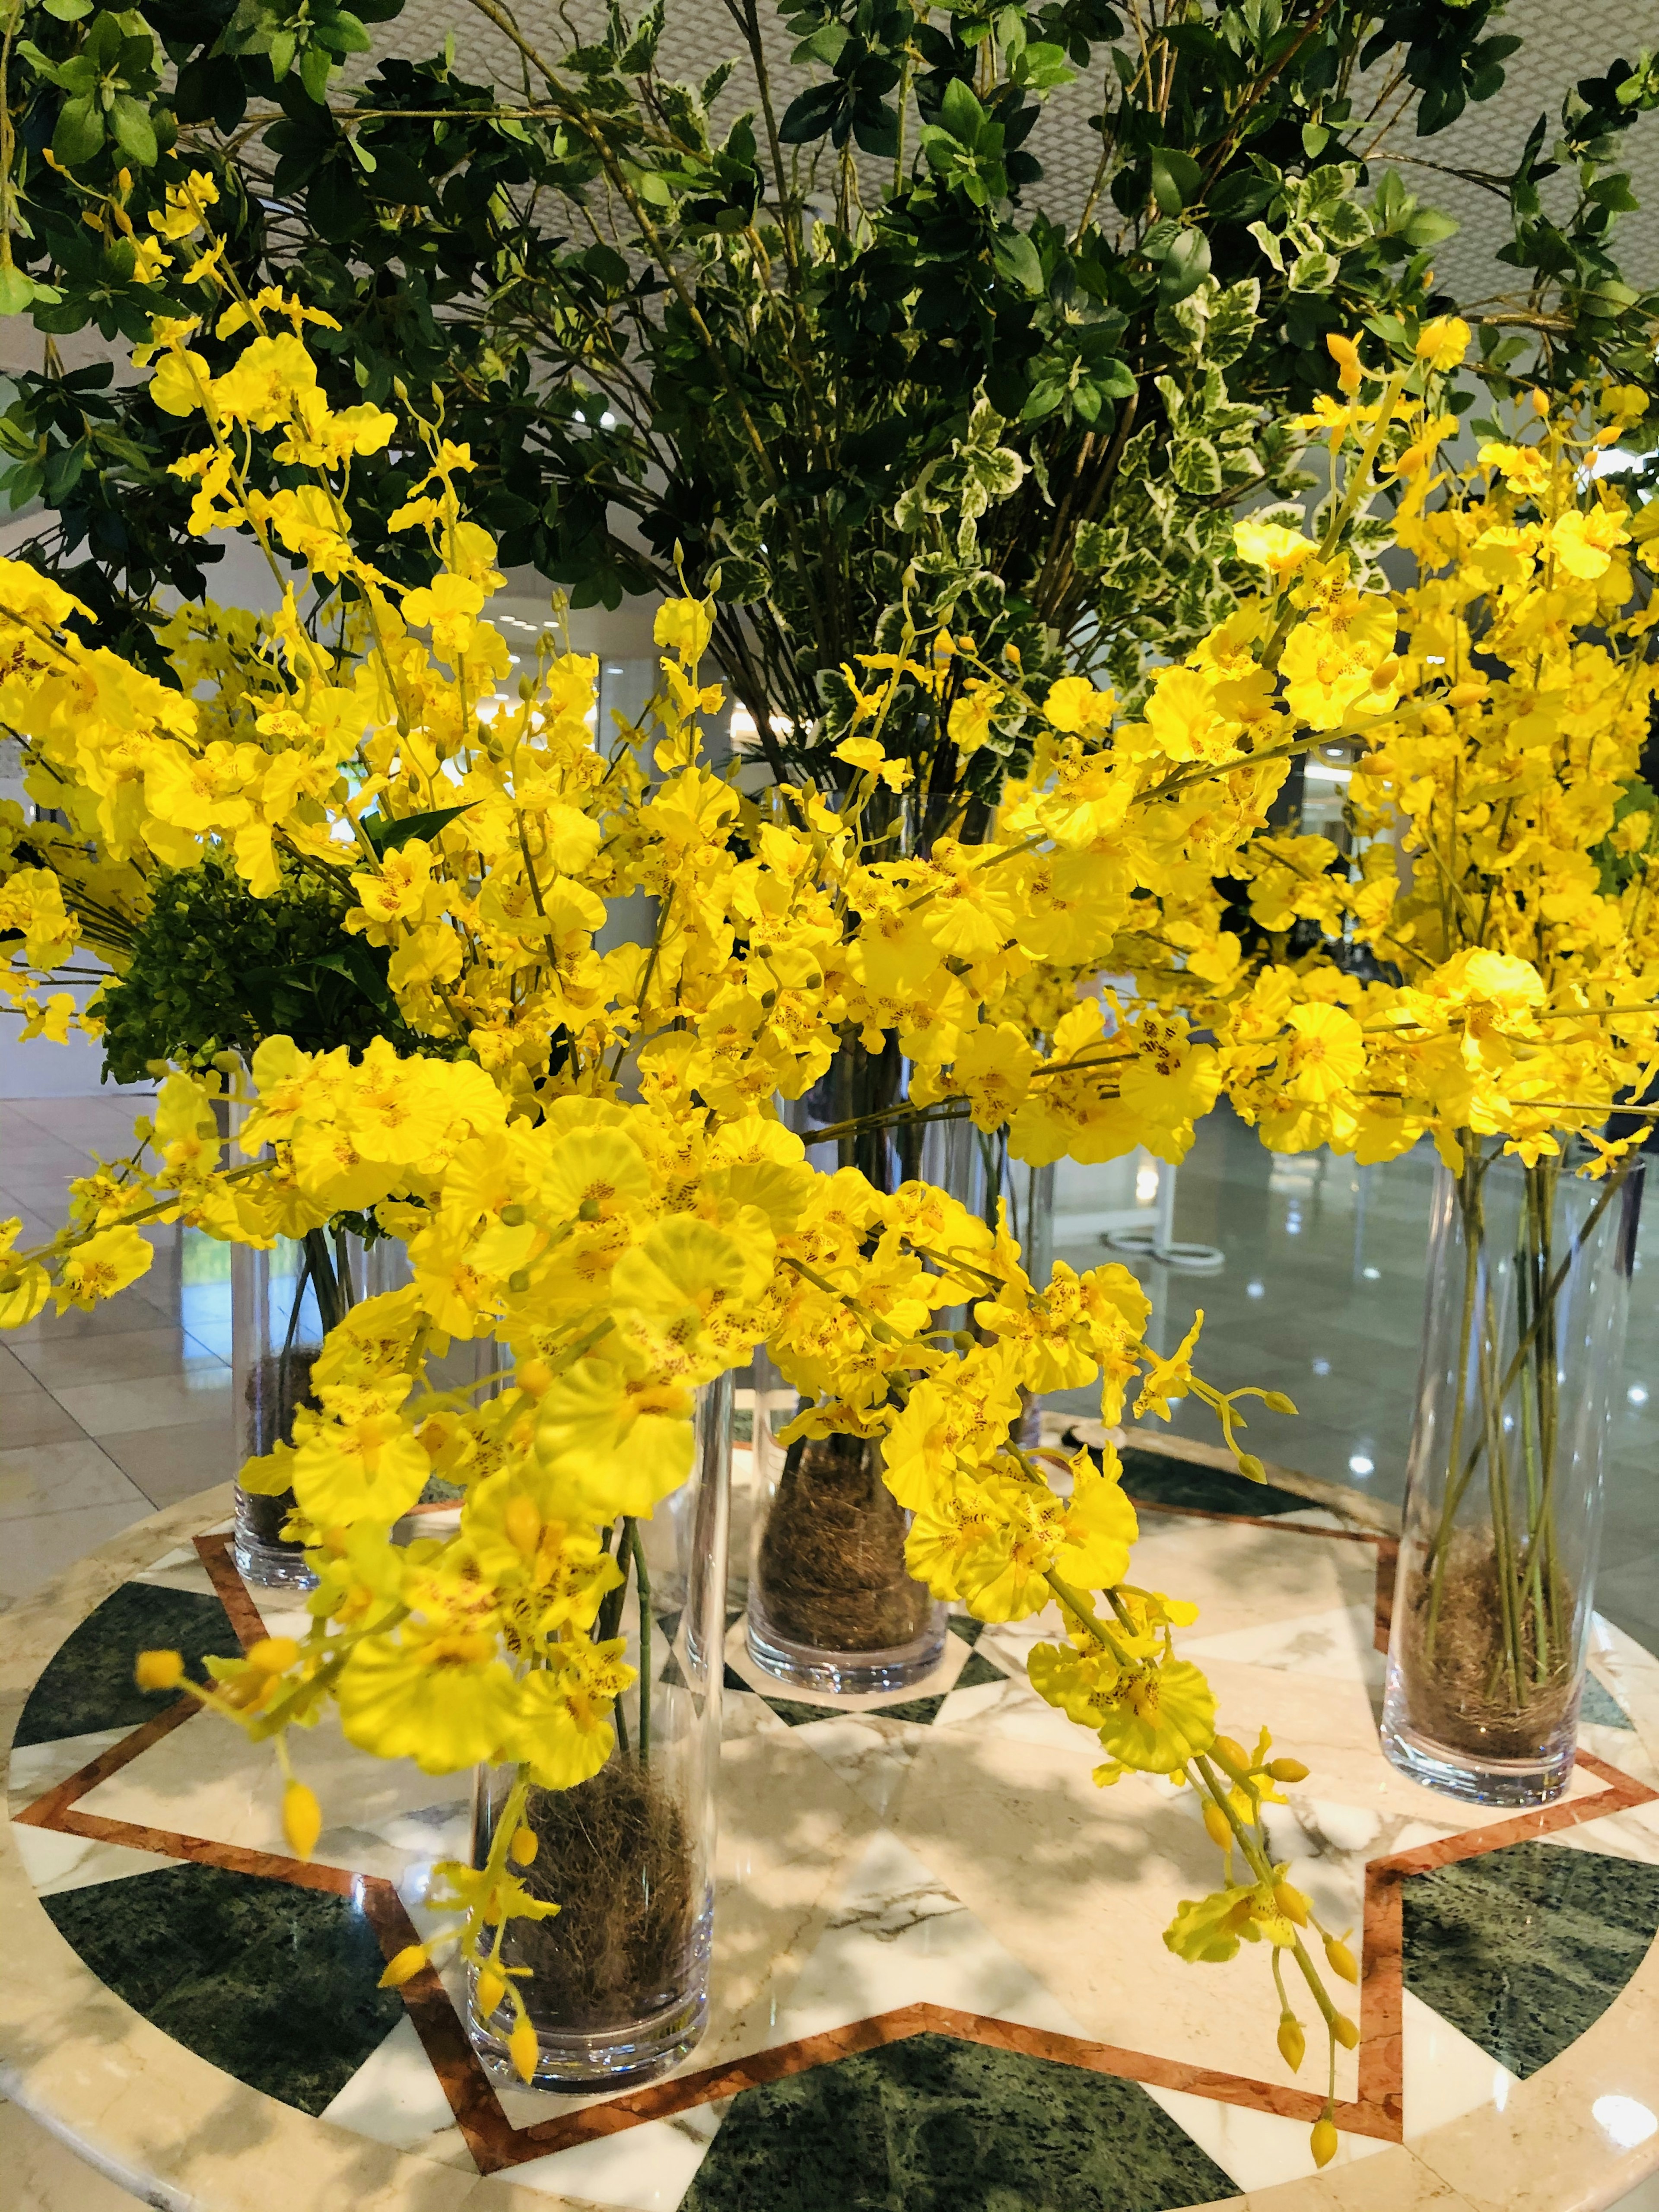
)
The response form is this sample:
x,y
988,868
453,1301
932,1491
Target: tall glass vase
x,y
284,1303
1529,1272
617,1990
831,1604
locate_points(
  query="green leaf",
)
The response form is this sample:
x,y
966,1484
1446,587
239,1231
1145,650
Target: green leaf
x,y
317,65
43,65
69,11
386,836
1428,228
1018,259
1185,266
357,964
343,32
1176,178
1114,378
80,134
16,291
1042,66
961,113
1196,467
134,133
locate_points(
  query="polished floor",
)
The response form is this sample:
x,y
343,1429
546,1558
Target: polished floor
x,y
1319,1294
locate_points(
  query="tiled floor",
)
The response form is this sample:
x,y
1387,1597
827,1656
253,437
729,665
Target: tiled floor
x,y
105,1415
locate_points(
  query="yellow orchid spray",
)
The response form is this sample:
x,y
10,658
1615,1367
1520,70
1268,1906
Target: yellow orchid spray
x,y
583,1159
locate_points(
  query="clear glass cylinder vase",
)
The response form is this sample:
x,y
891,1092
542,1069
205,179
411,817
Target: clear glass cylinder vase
x,y
831,1605
617,1990
1528,1288
284,1303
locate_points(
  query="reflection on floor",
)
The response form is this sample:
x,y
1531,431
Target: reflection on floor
x,y
1320,1293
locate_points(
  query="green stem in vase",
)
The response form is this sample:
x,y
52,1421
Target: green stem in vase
x,y
1468,1203
632,1543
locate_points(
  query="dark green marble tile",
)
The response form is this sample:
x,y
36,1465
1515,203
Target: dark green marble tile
x,y
1601,1708
980,1669
88,1684
730,1680
797,1715
1162,1482
934,2125
925,1710
271,1983
964,1626
1522,1948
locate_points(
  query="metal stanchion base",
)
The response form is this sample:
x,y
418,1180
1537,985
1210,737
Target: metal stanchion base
x,y
1158,1242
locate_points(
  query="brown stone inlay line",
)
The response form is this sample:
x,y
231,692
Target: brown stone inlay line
x,y
478,2115
1382,2083
232,1592
1622,1791
495,2144
47,1812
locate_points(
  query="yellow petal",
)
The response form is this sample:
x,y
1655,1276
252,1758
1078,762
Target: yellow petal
x,y
159,1670
405,1966
303,1819
1342,1959
523,2049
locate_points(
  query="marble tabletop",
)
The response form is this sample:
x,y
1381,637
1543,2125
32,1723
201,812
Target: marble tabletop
x,y
939,1977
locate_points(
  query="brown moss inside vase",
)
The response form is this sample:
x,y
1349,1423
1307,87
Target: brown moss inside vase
x,y
1461,1686
832,1566
614,1855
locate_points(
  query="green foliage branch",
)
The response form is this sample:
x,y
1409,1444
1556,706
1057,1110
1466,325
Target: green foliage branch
x,y
832,352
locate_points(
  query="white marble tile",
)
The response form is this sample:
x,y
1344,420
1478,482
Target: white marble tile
x,y
871,1755
181,1569
1257,2150
206,1779
54,1861
644,2169
1631,1834
37,1767
1078,1884
896,1936
394,2097
1337,1644
979,1702
1446,2076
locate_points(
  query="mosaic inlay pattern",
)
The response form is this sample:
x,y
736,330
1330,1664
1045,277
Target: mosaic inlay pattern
x,y
940,1956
